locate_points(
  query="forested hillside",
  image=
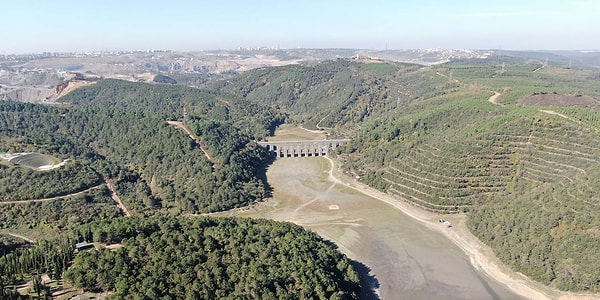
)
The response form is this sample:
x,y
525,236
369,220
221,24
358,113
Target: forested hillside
x,y
160,149
169,102
213,258
512,143
189,258
338,95
116,135
117,131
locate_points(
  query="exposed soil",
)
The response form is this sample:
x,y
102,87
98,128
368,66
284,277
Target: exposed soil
x,y
545,99
69,86
494,98
406,252
117,200
288,132
403,259
52,167
20,237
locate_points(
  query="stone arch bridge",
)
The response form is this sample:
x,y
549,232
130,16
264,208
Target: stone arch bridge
x,y
305,148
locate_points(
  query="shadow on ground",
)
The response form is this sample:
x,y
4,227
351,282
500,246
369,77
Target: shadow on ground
x,y
261,174
368,281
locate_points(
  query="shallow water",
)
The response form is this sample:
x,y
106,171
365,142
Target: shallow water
x,y
407,259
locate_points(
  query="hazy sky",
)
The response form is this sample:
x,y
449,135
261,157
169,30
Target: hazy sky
x,y
85,25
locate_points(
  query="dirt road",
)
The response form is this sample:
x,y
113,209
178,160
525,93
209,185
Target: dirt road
x,y
20,237
117,200
191,135
52,198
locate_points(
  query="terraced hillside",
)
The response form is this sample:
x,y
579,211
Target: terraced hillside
x,y
527,175
466,137
546,223
453,183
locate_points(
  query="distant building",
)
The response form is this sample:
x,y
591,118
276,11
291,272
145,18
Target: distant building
x,y
84,246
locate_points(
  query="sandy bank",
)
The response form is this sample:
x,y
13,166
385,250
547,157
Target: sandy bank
x,y
481,256
401,256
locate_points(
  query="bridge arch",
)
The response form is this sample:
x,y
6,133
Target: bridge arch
x,y
305,148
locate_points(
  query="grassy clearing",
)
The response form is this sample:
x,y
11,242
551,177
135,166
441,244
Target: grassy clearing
x,y
380,69
5,163
517,81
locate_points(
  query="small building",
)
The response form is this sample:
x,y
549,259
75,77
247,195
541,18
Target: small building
x,y
82,246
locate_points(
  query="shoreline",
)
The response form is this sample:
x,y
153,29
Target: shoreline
x,y
480,255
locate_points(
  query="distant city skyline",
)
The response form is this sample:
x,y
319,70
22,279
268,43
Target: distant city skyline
x,y
79,26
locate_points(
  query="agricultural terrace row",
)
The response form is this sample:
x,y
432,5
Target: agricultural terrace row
x,y
541,151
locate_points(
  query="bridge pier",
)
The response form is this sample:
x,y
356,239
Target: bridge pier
x,y
308,148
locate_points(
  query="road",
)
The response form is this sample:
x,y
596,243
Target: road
x,y
20,237
116,198
52,198
109,185
191,135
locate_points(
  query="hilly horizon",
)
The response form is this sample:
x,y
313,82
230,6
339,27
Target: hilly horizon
x,y
300,150
509,141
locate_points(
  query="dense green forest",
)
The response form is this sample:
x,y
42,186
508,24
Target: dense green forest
x,y
213,258
115,134
526,172
338,95
46,257
169,101
190,258
513,143
118,132
73,177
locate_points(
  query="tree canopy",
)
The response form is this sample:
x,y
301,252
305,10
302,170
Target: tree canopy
x,y
212,258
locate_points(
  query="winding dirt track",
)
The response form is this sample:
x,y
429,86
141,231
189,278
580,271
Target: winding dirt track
x,y
20,237
109,185
51,198
116,198
191,135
